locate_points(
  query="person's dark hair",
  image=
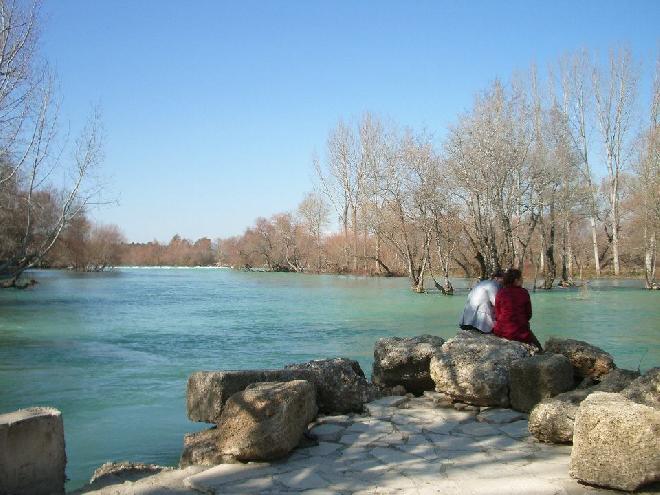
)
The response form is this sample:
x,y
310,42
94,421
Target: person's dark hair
x,y
497,274
510,276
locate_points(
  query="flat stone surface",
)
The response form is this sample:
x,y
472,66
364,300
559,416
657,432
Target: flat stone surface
x,y
478,429
328,431
517,429
500,416
322,449
391,401
386,457
303,479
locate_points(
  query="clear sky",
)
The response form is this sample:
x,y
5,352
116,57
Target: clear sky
x,y
213,109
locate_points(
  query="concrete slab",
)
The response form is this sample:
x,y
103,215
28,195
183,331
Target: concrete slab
x,y
32,455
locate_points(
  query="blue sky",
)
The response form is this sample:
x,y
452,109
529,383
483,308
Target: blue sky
x,y
213,110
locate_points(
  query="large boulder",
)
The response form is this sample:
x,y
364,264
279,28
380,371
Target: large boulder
x,y
645,389
405,362
552,420
538,377
341,387
32,454
266,421
588,360
474,368
616,442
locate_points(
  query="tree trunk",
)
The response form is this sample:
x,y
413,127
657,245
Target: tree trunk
x,y
649,259
594,238
355,240
345,225
615,228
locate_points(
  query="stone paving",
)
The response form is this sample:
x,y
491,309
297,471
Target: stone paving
x,y
403,445
409,446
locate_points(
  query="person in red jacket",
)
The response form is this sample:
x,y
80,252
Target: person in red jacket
x,y
513,310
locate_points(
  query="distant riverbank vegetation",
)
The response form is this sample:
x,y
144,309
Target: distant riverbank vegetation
x,y
556,174
513,183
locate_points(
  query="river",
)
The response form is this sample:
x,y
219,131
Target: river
x,y
113,350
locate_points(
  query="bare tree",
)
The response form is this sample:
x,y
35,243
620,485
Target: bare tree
x,y
314,212
486,155
614,94
39,206
575,73
647,184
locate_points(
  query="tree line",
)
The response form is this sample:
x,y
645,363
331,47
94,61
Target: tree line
x,y
556,174
513,183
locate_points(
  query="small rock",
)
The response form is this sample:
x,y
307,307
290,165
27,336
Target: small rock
x,y
587,360
615,443
201,449
118,472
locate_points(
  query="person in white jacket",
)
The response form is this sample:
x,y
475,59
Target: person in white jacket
x,y
479,311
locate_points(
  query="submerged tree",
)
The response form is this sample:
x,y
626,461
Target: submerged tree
x,y
647,184
615,91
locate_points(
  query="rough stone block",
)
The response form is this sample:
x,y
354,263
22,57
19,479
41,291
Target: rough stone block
x,y
615,443
341,387
538,377
645,389
266,421
201,449
405,362
552,420
32,455
588,360
474,368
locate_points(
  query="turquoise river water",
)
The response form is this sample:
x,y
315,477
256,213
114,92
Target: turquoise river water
x,y
113,350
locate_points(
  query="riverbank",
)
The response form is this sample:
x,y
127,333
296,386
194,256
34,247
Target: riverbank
x,y
400,445
104,347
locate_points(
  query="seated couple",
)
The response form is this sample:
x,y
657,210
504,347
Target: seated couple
x,y
502,306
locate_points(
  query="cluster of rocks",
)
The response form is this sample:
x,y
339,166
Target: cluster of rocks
x,y
573,393
431,405
263,414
